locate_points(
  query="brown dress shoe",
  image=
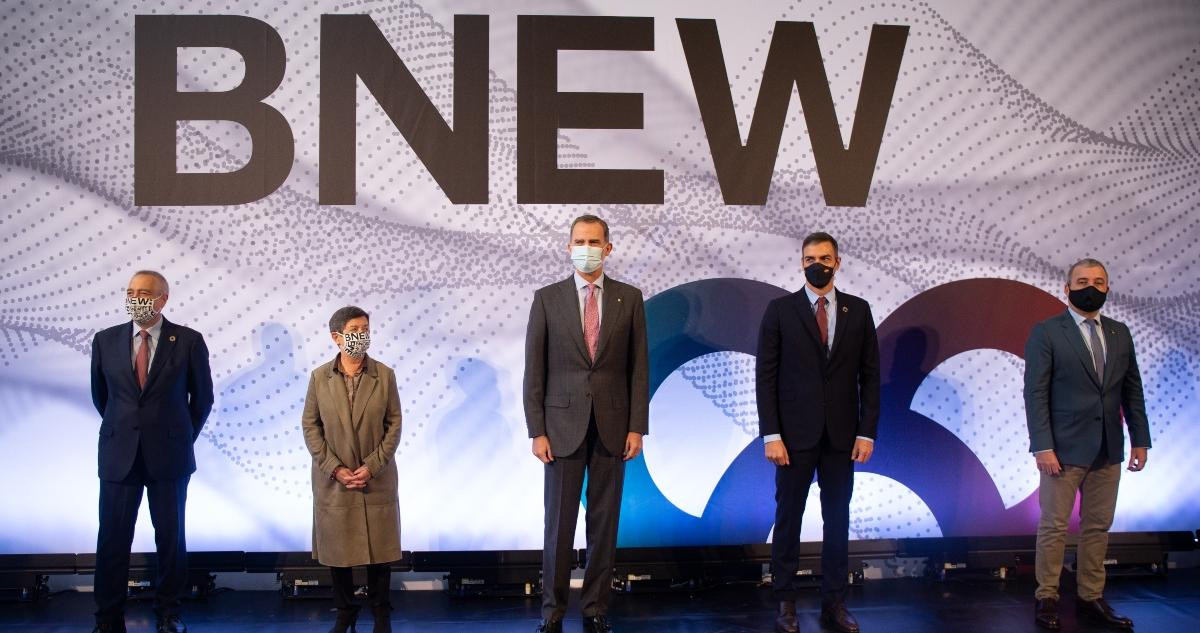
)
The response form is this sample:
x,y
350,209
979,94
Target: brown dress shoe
x,y
786,621
836,617
1045,614
1098,612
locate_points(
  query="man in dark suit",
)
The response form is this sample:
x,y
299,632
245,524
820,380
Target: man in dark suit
x,y
587,401
152,387
1081,377
818,408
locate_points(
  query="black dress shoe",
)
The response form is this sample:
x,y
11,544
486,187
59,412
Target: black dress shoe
x,y
171,624
596,624
383,618
1045,614
550,626
836,617
785,622
346,621
1098,612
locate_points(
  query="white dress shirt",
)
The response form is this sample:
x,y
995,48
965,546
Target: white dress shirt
x,y
581,285
155,332
1085,331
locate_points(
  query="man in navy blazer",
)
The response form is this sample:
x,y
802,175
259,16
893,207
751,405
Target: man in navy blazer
x,y
1081,379
152,386
817,376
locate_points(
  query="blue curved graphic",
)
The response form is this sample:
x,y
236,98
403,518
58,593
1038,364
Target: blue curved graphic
x,y
717,315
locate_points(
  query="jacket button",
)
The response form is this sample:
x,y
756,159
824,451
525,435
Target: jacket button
x,y
588,395
135,427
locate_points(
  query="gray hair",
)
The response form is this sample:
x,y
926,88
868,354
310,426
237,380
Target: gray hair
x,y
1086,262
162,281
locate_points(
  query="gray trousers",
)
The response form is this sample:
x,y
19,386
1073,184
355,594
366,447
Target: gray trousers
x,y
563,486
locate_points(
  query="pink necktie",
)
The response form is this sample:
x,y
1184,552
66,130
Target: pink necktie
x,y
591,321
142,363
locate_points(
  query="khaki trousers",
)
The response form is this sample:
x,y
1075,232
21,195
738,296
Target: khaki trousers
x,y
1097,489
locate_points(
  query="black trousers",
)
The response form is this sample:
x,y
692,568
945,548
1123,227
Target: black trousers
x,y
563,485
379,586
119,503
835,476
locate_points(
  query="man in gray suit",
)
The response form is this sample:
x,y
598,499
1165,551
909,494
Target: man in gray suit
x,y
1081,376
587,401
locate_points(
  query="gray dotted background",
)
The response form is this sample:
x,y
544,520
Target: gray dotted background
x,y
1022,136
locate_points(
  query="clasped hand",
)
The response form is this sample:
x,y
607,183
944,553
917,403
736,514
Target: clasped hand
x,y
353,479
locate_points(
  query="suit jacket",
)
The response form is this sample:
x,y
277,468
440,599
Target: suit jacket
x,y
354,527
1067,404
802,393
563,387
165,418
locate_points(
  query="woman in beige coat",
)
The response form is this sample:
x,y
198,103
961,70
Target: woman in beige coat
x,y
352,427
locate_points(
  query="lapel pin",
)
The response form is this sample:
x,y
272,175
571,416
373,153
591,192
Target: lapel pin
x,y
171,338
618,300
845,309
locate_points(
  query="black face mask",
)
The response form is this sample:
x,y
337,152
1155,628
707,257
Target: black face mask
x,y
818,274
1087,299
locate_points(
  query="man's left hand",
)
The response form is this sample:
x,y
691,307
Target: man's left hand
x,y
1137,458
862,450
633,445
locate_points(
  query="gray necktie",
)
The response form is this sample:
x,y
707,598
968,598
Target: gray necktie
x,y
1097,348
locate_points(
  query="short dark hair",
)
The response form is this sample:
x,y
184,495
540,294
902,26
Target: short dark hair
x,y
1086,262
337,322
162,281
818,238
591,219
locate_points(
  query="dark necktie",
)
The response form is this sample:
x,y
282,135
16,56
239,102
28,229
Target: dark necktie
x,y
142,362
1097,348
823,324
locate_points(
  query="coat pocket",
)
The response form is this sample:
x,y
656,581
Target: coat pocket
x,y
558,401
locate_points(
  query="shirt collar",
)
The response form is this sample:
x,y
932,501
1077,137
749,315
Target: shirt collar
x,y
337,365
830,296
154,330
581,283
1079,318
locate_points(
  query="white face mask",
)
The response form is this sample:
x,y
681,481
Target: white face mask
x,y
141,309
355,344
587,258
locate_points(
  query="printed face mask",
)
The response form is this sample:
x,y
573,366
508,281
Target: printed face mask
x,y
1087,299
141,309
587,258
355,344
818,274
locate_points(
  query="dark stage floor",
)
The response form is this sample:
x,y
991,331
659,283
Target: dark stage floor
x,y
882,606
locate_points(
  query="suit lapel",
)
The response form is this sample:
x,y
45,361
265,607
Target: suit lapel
x,y
610,314
1075,337
839,326
123,347
809,319
162,353
569,307
366,386
337,390
1111,344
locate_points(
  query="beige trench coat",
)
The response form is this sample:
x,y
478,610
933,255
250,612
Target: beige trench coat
x,y
354,527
